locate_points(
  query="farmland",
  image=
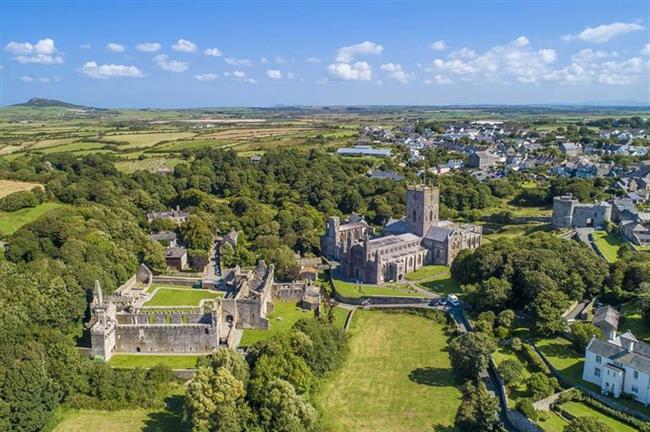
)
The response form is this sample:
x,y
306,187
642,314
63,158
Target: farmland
x,y
9,186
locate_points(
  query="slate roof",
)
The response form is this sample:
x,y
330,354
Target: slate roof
x,y
395,226
438,233
606,314
175,252
164,236
638,358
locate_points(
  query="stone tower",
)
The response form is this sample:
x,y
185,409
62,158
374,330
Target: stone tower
x,y
563,207
421,208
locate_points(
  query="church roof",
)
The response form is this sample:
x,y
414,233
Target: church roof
x,y
438,233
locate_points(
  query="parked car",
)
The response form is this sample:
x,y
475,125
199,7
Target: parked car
x,y
453,300
442,301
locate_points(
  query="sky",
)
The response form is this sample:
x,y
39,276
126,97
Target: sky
x,y
170,54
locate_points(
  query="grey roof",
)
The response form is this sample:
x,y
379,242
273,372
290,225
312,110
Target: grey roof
x,y
606,314
175,252
386,175
392,240
395,226
438,233
164,235
604,348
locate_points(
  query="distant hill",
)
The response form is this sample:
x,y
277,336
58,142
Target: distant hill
x,y
41,103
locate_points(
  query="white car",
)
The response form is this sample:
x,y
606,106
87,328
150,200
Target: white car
x,y
453,300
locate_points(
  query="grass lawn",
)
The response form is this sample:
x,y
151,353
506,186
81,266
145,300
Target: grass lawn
x,y
579,409
515,393
167,419
634,321
181,297
608,244
340,315
561,354
443,285
283,317
12,222
352,290
554,422
10,186
427,272
128,361
397,377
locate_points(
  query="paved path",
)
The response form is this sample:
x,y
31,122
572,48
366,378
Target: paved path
x,y
545,404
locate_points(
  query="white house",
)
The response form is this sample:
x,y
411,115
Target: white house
x,y
618,365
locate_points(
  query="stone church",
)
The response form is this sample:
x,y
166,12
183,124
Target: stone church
x,y
406,244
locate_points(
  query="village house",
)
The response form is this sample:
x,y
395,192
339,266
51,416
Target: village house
x,y
482,159
178,216
176,258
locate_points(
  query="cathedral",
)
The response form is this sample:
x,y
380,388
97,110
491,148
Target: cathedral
x,y
407,244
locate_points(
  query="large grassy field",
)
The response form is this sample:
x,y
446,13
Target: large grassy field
x,y
180,297
12,222
146,361
283,317
166,419
608,244
10,186
397,377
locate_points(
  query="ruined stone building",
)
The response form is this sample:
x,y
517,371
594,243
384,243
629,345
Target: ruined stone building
x,y
569,213
407,244
121,324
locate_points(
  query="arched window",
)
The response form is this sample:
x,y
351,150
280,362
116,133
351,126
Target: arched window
x,y
414,215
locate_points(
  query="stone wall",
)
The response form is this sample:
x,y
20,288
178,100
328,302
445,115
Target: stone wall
x,y
186,338
176,280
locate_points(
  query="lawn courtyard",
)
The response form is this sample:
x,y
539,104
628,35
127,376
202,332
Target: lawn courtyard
x,y
180,296
608,244
128,361
397,377
283,318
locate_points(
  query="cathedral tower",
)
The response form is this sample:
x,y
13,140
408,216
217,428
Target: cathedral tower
x,y
421,208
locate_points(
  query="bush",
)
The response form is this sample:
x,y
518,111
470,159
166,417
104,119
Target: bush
x,y
516,344
18,200
541,385
511,370
533,359
525,406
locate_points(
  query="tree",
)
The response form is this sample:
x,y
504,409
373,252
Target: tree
x,y
229,359
540,385
470,353
512,371
547,310
281,409
196,234
586,424
479,410
490,294
582,333
214,401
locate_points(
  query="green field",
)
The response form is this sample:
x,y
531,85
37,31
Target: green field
x,y
397,377
180,297
11,222
427,272
608,244
282,318
580,409
150,360
554,422
166,419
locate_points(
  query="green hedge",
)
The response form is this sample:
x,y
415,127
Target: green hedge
x,y
534,359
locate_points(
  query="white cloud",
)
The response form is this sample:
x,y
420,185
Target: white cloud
x,y
26,78
521,41
515,60
348,53
238,62
604,32
439,45
85,46
463,53
115,47
646,49
42,52
439,79
170,65
148,47
212,52
396,72
206,77
589,55
239,74
93,70
359,71
264,60
184,45
274,74
291,75
313,60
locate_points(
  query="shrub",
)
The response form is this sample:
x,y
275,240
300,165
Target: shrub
x,y
516,344
541,385
525,406
533,359
18,200
511,370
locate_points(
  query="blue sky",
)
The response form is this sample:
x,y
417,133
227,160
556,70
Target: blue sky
x,y
262,53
